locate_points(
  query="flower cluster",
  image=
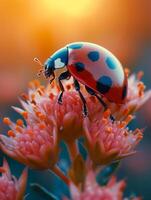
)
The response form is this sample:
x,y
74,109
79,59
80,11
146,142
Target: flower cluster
x,y
10,187
110,141
34,141
92,190
32,145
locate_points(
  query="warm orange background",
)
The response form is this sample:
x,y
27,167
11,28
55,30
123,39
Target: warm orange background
x,y
34,28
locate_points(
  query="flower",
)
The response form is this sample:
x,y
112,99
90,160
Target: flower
x,y
108,141
47,122
42,103
136,97
34,145
10,187
92,191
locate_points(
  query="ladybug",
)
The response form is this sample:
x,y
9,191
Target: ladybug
x,y
91,65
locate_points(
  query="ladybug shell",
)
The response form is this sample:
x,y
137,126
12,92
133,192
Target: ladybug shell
x,y
97,68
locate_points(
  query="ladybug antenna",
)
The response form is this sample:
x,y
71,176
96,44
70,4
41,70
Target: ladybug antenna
x,y
40,63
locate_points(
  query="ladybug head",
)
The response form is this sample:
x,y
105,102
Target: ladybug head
x,y
47,69
58,60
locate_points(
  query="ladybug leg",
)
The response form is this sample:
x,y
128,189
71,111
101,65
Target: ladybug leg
x,y
77,88
62,76
53,77
105,106
90,91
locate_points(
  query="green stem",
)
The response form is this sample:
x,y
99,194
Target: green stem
x,y
73,150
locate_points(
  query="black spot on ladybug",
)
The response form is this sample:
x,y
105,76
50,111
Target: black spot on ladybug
x,y
79,66
94,56
104,84
111,63
124,93
76,46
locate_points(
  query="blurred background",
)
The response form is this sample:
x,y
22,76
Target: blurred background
x,y
38,28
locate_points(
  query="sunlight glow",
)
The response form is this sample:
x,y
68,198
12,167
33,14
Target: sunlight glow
x,y
76,8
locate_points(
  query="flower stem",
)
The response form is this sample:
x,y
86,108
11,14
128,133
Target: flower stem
x,y
60,174
73,150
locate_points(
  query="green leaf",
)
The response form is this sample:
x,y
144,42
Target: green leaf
x,y
104,175
40,189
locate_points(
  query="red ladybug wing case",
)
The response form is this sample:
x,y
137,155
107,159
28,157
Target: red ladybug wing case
x,y
97,68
